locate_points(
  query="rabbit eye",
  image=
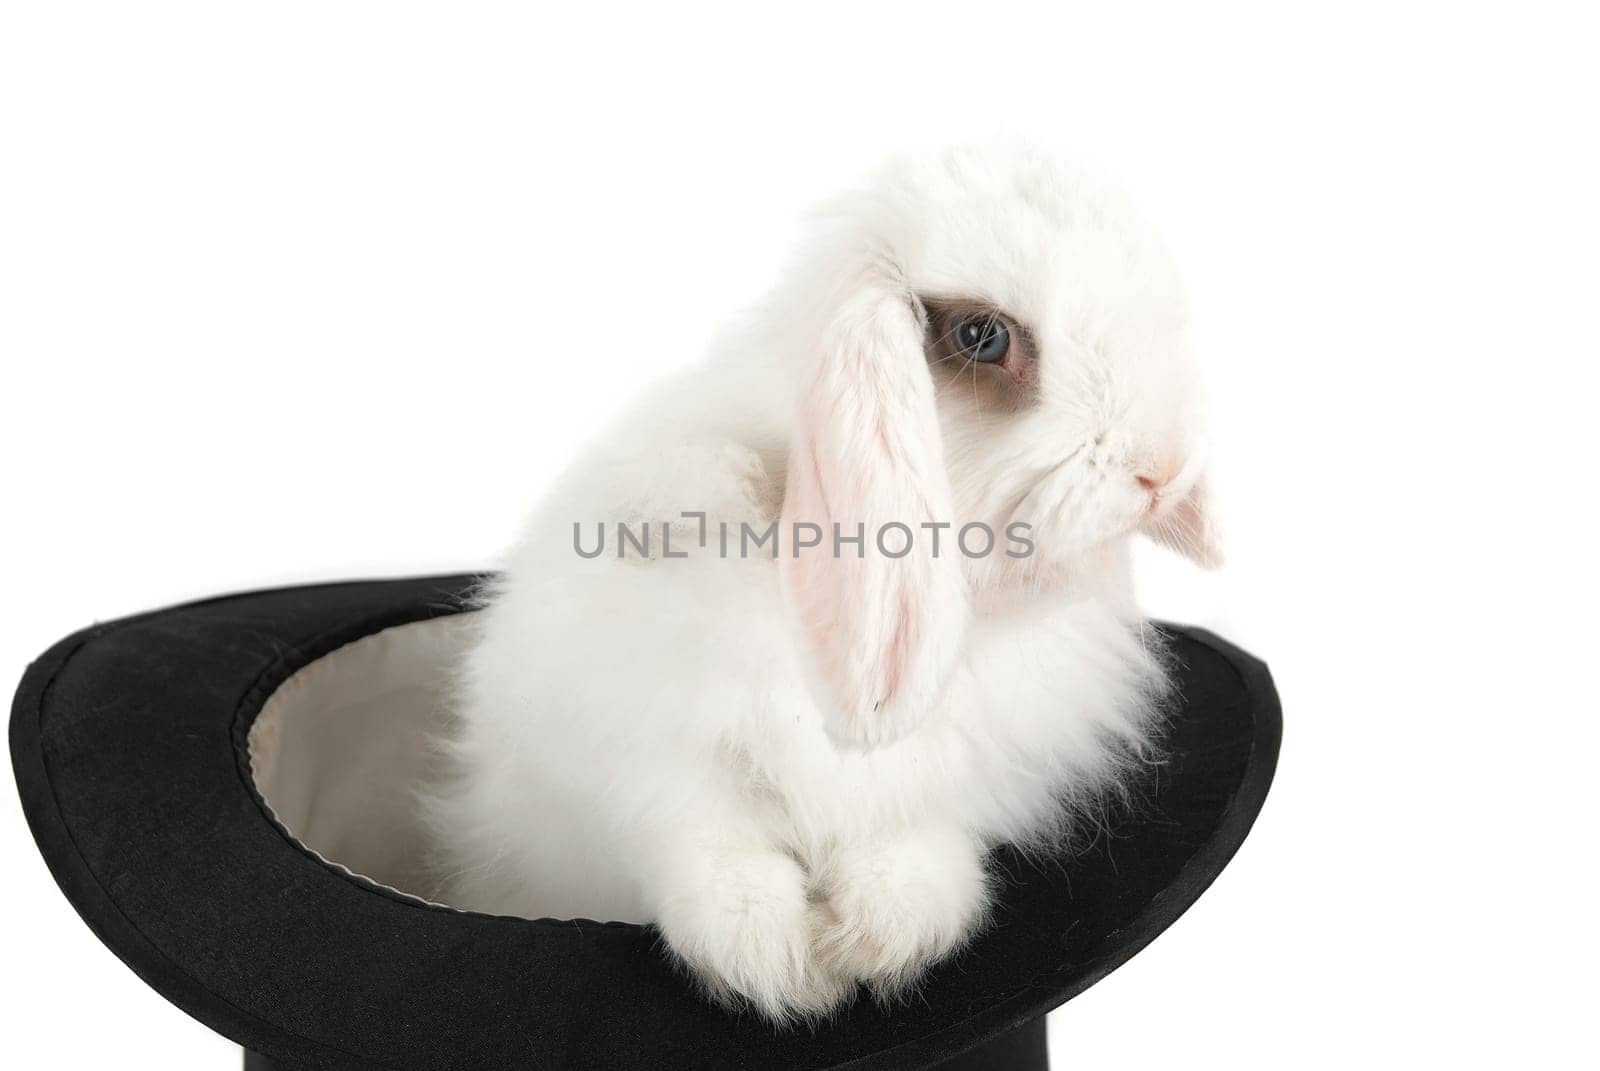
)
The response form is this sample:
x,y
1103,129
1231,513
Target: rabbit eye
x,y
982,338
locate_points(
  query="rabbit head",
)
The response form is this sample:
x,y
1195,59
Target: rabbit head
x,y
991,336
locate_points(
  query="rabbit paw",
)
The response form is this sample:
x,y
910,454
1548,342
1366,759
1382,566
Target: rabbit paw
x,y
890,909
742,925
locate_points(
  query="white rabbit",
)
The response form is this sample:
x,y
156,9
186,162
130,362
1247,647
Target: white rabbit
x,y
795,767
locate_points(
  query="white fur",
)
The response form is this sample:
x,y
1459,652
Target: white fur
x,y
795,770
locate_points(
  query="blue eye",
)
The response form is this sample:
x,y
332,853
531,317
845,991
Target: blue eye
x,y
981,338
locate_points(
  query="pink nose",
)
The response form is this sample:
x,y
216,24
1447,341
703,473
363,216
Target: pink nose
x,y
1156,473
1150,483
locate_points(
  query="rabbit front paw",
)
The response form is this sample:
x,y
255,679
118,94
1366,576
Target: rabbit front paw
x,y
889,909
740,921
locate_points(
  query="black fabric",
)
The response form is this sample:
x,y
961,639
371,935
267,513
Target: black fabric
x,y
128,745
1022,1048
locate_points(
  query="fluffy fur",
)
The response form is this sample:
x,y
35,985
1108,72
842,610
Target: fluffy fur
x,y
795,768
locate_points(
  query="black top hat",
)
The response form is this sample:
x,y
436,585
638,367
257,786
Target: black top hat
x,y
132,747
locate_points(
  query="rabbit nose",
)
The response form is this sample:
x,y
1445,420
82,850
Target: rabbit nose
x,y
1155,477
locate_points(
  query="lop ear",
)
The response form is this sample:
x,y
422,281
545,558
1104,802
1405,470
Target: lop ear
x,y
1190,528
881,632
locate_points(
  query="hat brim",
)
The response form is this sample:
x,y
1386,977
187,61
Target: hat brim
x,y
128,741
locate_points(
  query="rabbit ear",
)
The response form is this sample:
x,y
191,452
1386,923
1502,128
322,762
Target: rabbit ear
x,y
1189,527
881,632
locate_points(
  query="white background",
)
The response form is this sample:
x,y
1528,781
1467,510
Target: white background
x,y
302,291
